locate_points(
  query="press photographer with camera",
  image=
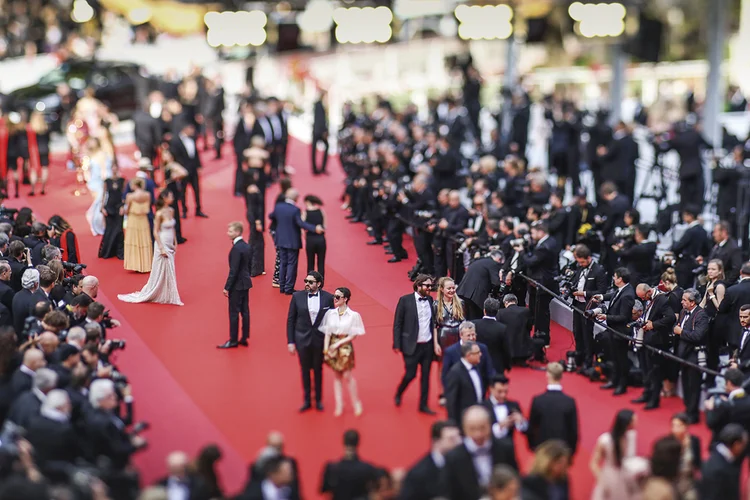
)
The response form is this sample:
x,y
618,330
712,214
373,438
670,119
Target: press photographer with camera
x,y
482,276
541,262
730,407
726,250
97,314
36,241
590,279
692,331
694,243
638,256
657,323
618,316
20,260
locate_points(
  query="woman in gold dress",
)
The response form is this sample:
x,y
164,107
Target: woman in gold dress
x,y
340,326
138,244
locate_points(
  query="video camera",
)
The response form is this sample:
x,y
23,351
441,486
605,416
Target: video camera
x,y
565,280
73,268
6,213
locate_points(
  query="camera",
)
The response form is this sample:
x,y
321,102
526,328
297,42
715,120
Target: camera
x,y
5,212
73,268
107,323
115,345
637,323
9,438
593,313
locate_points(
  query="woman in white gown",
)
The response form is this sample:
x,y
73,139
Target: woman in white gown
x,y
99,169
162,283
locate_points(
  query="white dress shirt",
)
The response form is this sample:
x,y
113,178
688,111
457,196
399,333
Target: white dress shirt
x,y
501,414
475,380
276,126
177,489
273,492
189,144
582,283
482,459
238,238
424,315
313,306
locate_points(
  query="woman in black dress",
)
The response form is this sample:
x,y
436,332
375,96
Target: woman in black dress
x,y
713,295
315,244
113,241
252,177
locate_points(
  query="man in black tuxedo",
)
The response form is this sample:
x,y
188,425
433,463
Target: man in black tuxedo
x,y
741,357
721,472
736,296
185,152
638,258
147,132
260,469
6,291
541,264
692,330
243,132
25,300
320,134
306,311
477,283
179,478
469,466
505,414
590,279
237,287
464,387
494,335
726,250
693,244
659,320
467,332
22,379
516,320
619,314
51,433
349,477
28,404
554,414
733,409
412,336
422,482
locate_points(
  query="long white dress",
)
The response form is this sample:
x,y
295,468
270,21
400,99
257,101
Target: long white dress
x,y
162,283
97,174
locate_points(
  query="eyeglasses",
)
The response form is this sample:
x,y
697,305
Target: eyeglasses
x,y
428,285
310,282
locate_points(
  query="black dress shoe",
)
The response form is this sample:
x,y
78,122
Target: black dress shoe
x,y
651,406
201,215
319,406
180,241
184,215
397,400
389,252
608,385
305,407
228,345
426,410
639,400
394,260
243,342
620,391
375,242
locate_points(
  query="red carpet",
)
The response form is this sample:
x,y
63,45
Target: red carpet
x,y
194,394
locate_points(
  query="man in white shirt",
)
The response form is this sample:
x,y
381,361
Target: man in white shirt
x,y
464,386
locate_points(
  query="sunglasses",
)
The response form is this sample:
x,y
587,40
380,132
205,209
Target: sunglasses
x,y
338,297
310,282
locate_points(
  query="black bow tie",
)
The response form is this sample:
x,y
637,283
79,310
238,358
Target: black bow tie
x,y
311,295
423,298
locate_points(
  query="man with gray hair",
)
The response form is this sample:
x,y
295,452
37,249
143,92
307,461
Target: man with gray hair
x,y
25,300
52,435
4,240
692,331
28,404
105,431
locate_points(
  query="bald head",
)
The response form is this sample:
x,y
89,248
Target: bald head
x,y
643,291
476,424
292,194
48,342
90,286
177,463
33,359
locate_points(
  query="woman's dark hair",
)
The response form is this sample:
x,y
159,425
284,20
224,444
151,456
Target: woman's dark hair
x,y
161,201
58,223
623,419
313,200
682,417
665,458
205,466
8,344
23,222
636,216
345,292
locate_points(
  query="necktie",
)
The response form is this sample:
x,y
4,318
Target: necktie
x,y
311,295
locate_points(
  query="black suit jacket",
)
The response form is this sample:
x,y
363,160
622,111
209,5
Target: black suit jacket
x,y
694,334
6,295
254,486
347,479
299,329
320,120
460,480
459,391
620,310
106,439
452,356
731,255
734,411
596,280
736,296
55,445
516,321
639,259
720,478
191,163
480,277
553,415
239,267
694,242
495,336
20,382
512,406
543,261
147,132
661,315
24,303
406,324
24,408
422,482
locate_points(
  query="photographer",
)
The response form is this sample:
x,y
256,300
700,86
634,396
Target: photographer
x,y
638,258
36,241
78,309
618,316
693,244
726,250
590,279
20,260
421,202
97,314
454,219
481,277
73,288
692,329
658,321
730,408
541,264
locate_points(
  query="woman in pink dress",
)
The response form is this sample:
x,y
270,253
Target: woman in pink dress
x,y
608,460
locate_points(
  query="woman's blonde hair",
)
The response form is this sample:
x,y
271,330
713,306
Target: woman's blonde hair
x,y
546,455
137,183
720,265
458,308
669,276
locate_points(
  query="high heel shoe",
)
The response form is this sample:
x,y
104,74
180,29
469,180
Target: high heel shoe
x,y
358,409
